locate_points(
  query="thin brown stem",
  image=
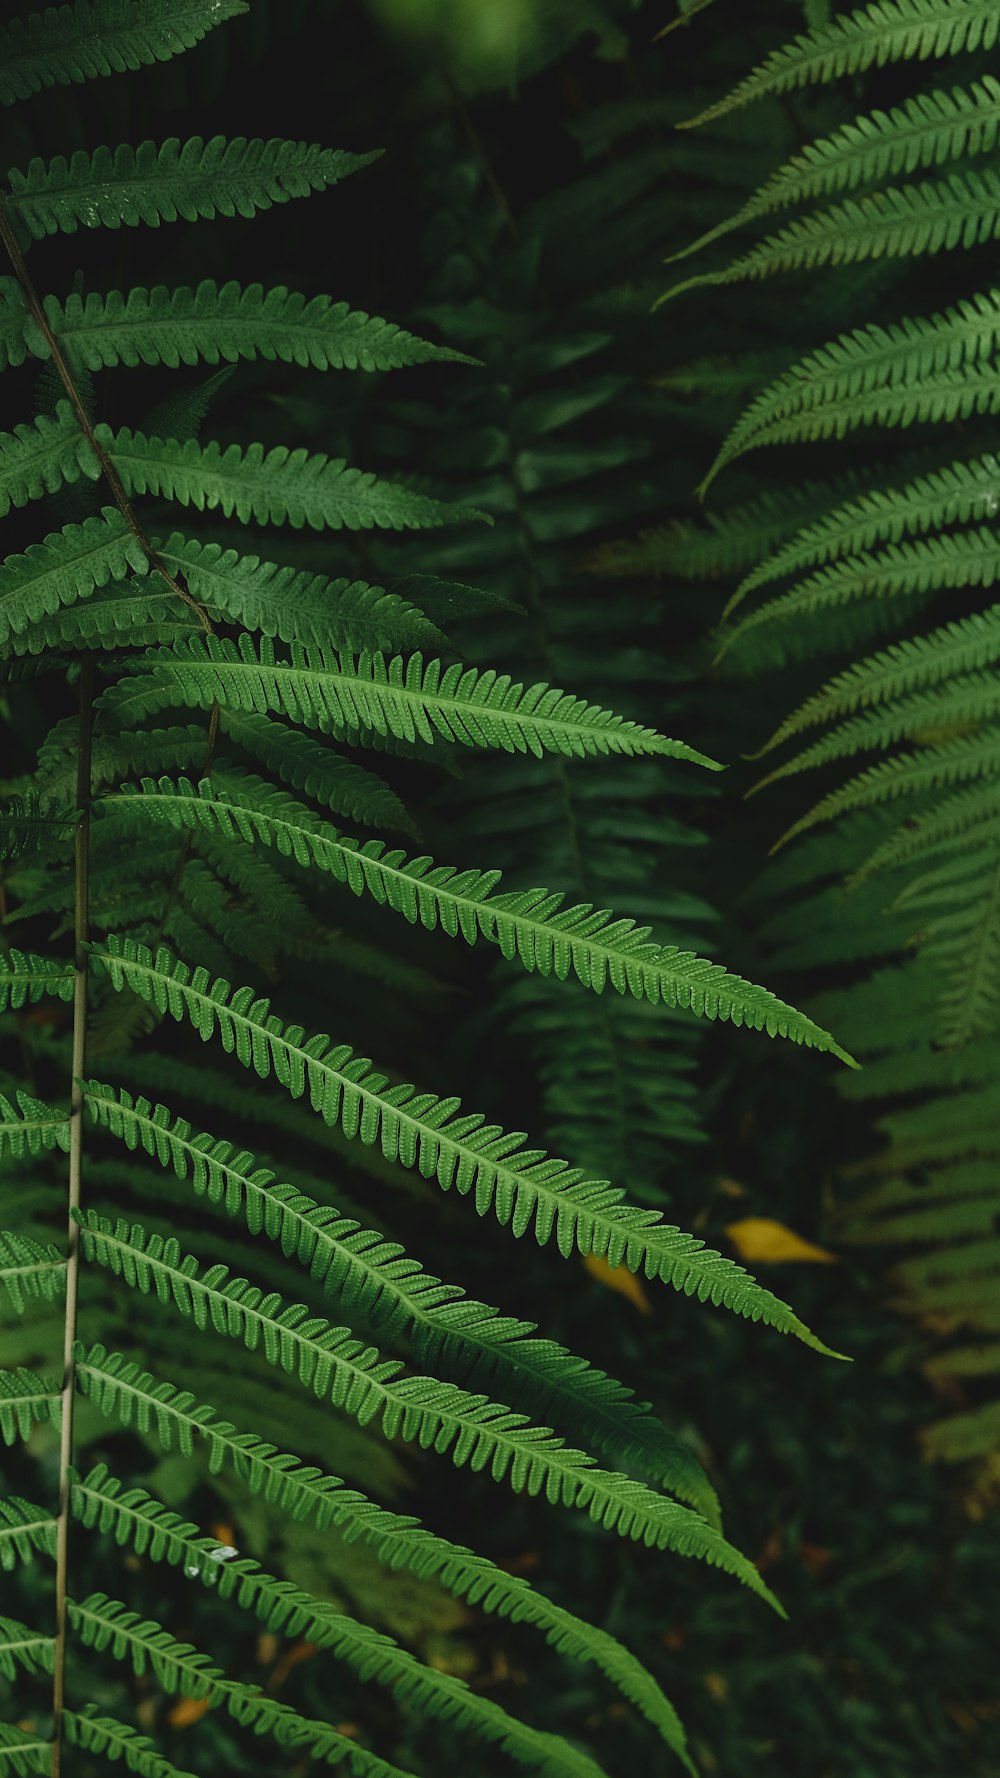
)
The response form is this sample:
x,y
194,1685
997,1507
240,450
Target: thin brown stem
x,y
81,924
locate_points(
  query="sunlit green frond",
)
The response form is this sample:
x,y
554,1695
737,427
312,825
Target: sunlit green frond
x,y
38,458
375,1278
23,1752
30,1127
124,614
334,1365
276,486
68,44
28,1269
884,32
294,605
520,1186
106,1624
923,368
66,567
410,700
162,182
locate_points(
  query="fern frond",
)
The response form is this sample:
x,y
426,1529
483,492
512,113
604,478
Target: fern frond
x,y
112,1740
24,1753
102,1623
520,1186
37,459
946,825
223,323
410,700
908,774
22,1647
30,1127
876,35
960,210
961,559
66,45
276,486
123,1391
316,770
13,311
163,181
32,824
531,926
961,704
923,368
25,1531
294,605
923,133
30,1270
26,1400
956,494
66,566
26,978
334,1365
375,1278
124,614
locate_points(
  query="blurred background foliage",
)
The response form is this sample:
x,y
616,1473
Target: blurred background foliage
x,y
531,185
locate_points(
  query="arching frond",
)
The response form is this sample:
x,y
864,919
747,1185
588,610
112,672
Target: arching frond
x,y
38,458
67,566
25,1531
30,1270
276,486
124,614
21,1647
374,1277
410,700
66,45
520,1186
166,181
336,1366
316,770
26,978
25,1401
884,32
113,1740
224,323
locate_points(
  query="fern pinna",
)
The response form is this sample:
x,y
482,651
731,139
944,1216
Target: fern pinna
x,y
175,843
888,574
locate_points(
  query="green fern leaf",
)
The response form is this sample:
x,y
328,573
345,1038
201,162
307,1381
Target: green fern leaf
x,y
13,311
531,926
908,774
963,703
161,182
122,1391
68,44
103,1623
124,614
932,368
24,1754
30,1127
410,700
317,771
224,323
21,1647
923,133
374,1277
886,31
67,566
960,210
26,978
336,1366
25,1401
30,1270
37,459
294,605
279,486
113,1741
520,1186
25,1531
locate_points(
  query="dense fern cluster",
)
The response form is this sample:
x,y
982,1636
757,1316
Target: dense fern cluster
x,y
188,824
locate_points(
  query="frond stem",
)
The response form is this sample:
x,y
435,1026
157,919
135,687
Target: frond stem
x,y
77,1117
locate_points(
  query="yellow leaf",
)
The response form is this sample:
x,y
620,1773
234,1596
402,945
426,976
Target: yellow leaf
x,y
186,1711
760,1238
619,1278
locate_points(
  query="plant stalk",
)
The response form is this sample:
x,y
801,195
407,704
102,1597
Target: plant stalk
x,y
81,924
